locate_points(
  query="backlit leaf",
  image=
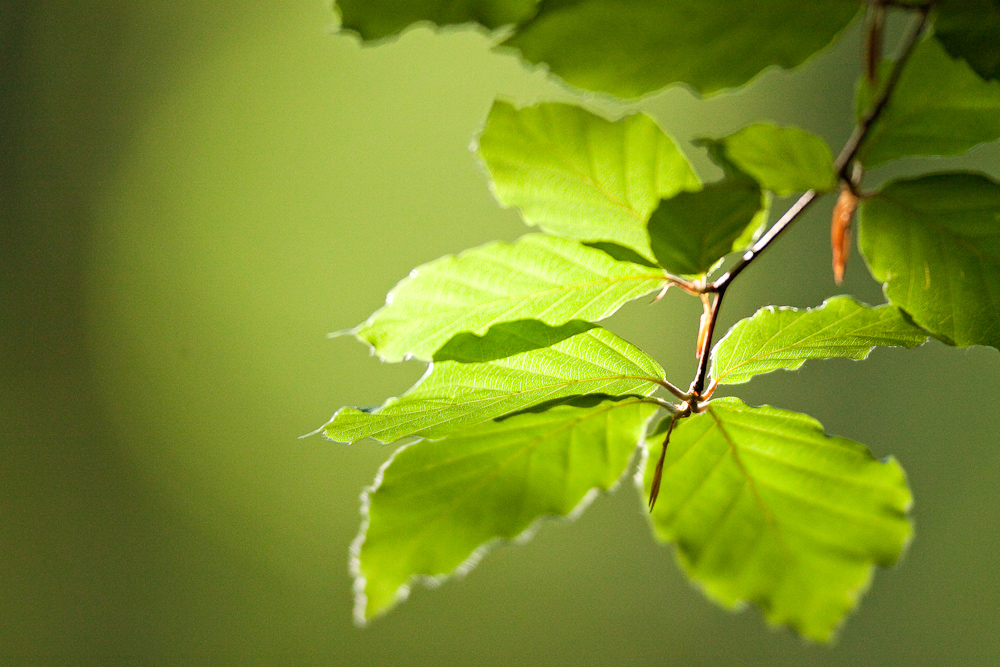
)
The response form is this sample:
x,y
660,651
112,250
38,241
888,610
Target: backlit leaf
x,y
438,505
935,243
764,507
536,277
784,338
939,107
575,174
454,395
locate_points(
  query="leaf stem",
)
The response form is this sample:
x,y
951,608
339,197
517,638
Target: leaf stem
x,y
676,391
843,166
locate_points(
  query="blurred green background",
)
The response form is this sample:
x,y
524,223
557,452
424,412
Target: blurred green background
x,y
195,193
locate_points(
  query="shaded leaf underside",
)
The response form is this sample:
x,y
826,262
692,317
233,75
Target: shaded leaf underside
x,y
970,29
632,47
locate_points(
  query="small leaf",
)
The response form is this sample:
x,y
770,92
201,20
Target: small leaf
x,y
970,29
692,231
540,277
437,506
764,507
935,242
454,395
375,19
632,47
784,160
939,107
575,174
784,338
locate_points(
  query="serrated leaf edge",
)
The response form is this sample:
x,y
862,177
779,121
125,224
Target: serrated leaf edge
x,y
433,581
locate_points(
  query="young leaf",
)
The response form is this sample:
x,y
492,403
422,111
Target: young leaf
x,y
576,174
632,47
764,507
784,160
935,242
453,395
939,107
374,19
438,505
784,338
970,29
541,277
692,231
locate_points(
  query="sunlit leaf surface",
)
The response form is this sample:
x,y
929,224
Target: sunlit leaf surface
x,y
763,507
576,174
536,277
784,338
454,395
438,504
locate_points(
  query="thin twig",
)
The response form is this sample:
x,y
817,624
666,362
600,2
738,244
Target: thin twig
x,y
676,391
666,405
843,167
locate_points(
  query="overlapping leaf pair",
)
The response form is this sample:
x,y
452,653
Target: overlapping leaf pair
x,y
529,407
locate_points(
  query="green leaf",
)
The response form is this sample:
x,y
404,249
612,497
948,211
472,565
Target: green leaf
x,y
780,338
764,507
538,277
453,395
576,174
374,19
784,160
692,231
935,242
939,107
438,505
632,47
970,29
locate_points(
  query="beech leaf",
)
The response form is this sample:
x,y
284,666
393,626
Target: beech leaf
x,y
453,395
784,338
575,174
935,243
436,506
764,507
537,277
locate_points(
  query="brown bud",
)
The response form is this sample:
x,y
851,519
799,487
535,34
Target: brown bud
x,y
840,231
